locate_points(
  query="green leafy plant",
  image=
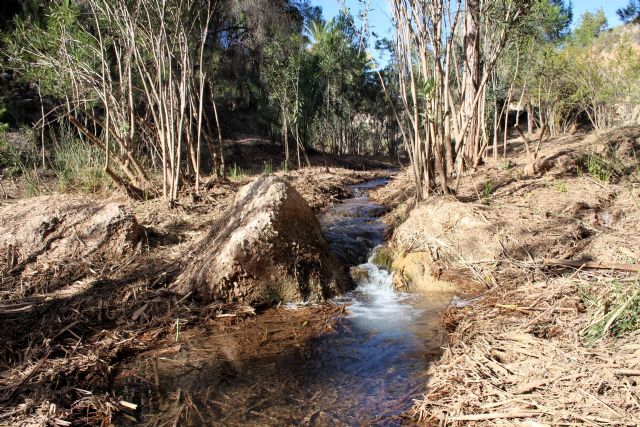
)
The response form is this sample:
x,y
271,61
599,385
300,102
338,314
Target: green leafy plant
x,y
267,168
506,165
9,158
560,186
236,173
598,168
487,190
613,315
78,166
32,184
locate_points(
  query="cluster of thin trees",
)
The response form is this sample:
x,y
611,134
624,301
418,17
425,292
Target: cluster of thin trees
x,y
140,80
133,79
446,52
461,65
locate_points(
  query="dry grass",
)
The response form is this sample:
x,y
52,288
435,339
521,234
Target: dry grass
x,y
521,353
547,345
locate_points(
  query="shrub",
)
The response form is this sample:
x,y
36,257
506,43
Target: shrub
x,y
267,168
487,189
560,186
78,166
236,173
9,158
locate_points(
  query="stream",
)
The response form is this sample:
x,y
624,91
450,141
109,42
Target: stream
x,y
366,372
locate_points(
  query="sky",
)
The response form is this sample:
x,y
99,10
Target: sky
x,y
380,17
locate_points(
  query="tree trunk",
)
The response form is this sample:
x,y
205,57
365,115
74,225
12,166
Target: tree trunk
x,y
506,126
472,69
285,134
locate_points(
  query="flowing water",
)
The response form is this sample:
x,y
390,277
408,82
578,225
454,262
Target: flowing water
x,y
367,372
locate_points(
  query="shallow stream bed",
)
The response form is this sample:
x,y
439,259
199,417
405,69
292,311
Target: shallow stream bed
x,y
364,369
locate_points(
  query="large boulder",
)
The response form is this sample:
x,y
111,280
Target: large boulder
x,y
268,248
47,233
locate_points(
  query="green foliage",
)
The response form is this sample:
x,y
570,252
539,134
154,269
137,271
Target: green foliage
x,y
9,158
487,190
560,186
615,314
507,165
3,111
267,167
337,84
56,26
549,21
606,165
236,173
589,73
591,26
630,13
78,167
32,185
598,167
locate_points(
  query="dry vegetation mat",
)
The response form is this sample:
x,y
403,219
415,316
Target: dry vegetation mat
x,y
539,351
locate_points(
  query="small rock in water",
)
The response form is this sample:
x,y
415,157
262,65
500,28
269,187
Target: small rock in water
x,y
458,302
359,274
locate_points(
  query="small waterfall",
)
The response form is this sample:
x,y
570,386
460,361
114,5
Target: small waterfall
x,y
376,305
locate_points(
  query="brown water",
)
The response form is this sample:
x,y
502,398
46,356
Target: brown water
x,y
366,372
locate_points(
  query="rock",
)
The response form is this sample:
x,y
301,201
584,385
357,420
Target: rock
x,y
441,232
415,271
383,257
359,274
269,248
52,231
562,162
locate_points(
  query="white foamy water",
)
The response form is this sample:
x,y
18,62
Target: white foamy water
x,y
376,305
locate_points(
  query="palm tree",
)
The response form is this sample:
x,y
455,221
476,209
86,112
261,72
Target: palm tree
x,y
319,30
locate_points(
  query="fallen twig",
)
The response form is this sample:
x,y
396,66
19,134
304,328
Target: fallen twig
x,y
598,265
495,416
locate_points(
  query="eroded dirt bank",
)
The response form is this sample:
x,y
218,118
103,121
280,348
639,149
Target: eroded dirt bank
x,y
76,307
552,248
